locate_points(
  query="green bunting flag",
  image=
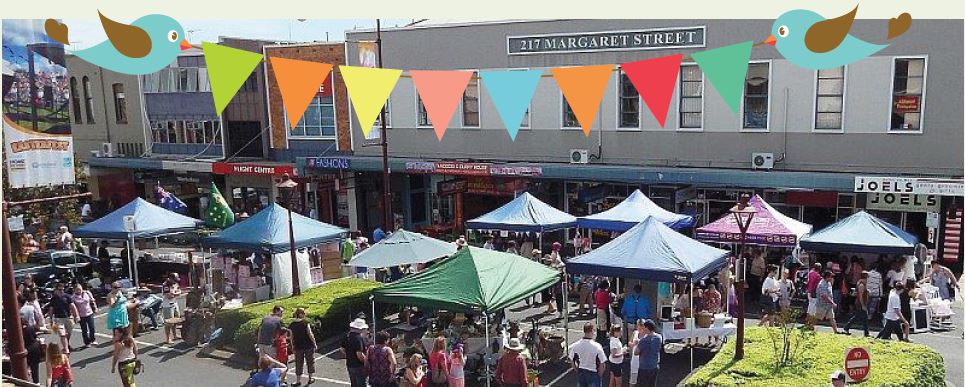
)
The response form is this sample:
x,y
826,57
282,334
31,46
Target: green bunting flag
x,y
726,69
228,68
219,213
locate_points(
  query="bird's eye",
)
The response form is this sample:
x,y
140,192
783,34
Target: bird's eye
x,y
173,36
782,31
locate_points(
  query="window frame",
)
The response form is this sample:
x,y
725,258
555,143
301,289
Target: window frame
x,y
770,87
418,113
528,115
75,102
891,94
619,98
703,98
844,104
88,100
462,102
120,104
321,136
563,104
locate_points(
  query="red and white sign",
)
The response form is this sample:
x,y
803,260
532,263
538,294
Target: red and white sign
x,y
907,104
857,364
325,90
252,169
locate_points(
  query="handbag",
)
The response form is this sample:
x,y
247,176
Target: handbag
x,y
93,305
138,366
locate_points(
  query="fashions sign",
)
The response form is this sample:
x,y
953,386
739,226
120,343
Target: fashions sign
x,y
646,39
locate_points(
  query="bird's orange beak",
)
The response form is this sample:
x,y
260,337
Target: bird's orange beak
x,y
185,45
770,40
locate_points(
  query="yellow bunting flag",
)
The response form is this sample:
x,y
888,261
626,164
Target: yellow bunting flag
x,y
368,88
298,82
583,88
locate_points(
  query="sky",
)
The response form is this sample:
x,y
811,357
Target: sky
x,y
88,32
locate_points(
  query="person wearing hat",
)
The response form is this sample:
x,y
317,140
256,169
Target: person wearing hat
x,y
511,369
353,348
893,317
460,243
457,364
837,379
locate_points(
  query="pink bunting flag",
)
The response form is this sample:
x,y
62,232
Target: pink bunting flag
x,y
441,92
655,80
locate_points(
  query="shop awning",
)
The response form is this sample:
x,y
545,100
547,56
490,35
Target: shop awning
x,y
267,232
861,233
631,211
651,251
769,227
471,279
146,221
403,248
525,213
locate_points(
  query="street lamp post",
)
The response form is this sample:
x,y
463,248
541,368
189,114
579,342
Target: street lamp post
x,y
743,213
287,190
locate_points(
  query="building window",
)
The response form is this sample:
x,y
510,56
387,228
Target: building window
x,y
629,103
569,118
388,116
421,114
470,103
829,99
756,89
120,103
526,120
88,100
317,121
251,84
907,94
691,97
186,132
75,101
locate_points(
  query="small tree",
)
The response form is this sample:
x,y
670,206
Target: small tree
x,y
787,337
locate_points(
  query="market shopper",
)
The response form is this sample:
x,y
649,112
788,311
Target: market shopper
x,y
638,333
813,279
169,306
266,331
875,290
413,375
29,314
353,347
58,367
124,360
942,278
649,349
904,298
770,292
602,299
511,369
64,314
303,342
615,360
860,314
35,352
588,359
86,307
438,363
117,320
637,307
457,364
380,362
270,373
825,301
893,317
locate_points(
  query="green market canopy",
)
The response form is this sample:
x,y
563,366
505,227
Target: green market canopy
x,y
471,279
403,248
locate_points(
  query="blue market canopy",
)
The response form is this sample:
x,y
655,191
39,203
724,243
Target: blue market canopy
x,y
403,248
651,251
525,213
267,232
630,212
149,221
861,233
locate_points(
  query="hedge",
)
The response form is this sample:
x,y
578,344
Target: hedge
x,y
893,363
329,307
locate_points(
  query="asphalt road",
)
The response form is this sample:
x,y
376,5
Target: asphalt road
x,y
181,365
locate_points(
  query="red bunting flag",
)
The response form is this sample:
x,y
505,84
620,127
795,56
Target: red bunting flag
x,y
441,92
655,80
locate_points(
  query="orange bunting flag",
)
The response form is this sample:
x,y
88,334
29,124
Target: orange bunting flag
x,y
441,92
583,88
298,82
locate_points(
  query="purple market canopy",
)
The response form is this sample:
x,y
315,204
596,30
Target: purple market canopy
x,y
769,227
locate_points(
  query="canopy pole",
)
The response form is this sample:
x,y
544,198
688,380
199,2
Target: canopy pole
x,y
566,312
130,261
372,298
693,322
489,351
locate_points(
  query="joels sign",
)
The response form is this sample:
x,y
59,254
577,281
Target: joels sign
x,y
252,169
909,185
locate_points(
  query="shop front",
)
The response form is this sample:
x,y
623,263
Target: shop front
x,y
249,187
189,186
328,182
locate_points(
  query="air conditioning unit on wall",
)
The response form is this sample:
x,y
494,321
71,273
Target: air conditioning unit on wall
x,y
762,160
107,149
579,156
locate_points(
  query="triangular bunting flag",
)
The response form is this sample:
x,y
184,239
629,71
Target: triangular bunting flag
x,y
655,80
298,82
583,88
219,214
441,92
368,88
511,92
228,68
726,69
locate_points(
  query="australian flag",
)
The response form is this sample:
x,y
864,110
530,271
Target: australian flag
x,y
168,200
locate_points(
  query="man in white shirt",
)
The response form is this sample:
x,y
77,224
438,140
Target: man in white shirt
x,y
85,212
770,291
893,318
909,268
588,358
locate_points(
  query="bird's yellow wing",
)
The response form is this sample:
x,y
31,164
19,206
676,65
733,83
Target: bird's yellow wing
x,y
129,40
826,35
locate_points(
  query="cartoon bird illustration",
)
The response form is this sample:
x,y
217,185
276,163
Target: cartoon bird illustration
x,y
808,40
147,45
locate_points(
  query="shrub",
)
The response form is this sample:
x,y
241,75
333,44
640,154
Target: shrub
x,y
893,363
329,308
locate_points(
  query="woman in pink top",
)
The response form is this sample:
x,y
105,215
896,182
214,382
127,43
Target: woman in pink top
x,y
86,307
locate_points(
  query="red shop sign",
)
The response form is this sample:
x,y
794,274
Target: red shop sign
x,y
252,169
907,103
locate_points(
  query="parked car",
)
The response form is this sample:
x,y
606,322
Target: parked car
x,y
57,263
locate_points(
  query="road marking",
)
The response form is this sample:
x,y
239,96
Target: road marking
x,y
568,370
330,352
141,343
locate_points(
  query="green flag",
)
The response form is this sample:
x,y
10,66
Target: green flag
x,y
726,69
228,68
219,213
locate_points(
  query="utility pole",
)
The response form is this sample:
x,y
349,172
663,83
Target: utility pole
x,y
387,221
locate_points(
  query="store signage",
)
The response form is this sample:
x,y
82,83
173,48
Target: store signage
x,y
508,170
909,185
461,169
329,162
15,223
902,202
495,187
645,39
458,168
932,220
907,104
252,169
450,187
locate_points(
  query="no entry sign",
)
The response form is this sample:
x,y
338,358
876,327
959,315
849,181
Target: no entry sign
x,y
857,364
